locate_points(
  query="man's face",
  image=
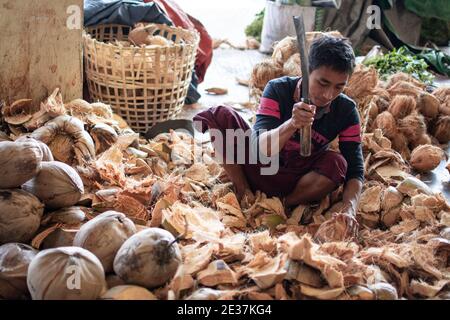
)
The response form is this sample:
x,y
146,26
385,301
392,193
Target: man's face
x,y
325,84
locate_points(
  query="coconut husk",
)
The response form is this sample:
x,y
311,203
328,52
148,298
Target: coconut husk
x,y
443,95
424,289
441,130
401,106
426,157
263,72
370,200
266,271
66,135
262,241
19,112
196,257
217,272
306,251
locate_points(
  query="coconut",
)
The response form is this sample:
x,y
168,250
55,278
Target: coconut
x,y
14,261
46,152
104,235
441,130
19,162
57,185
66,273
386,122
401,76
443,95
20,215
67,139
401,106
292,66
362,83
150,258
18,112
413,127
66,216
428,105
128,292
426,157
400,144
284,49
405,88
423,139
263,72
104,137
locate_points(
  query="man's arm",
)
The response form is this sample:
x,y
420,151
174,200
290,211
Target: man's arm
x,y
302,115
350,198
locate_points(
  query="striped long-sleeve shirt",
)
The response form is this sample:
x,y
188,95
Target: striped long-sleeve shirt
x,y
341,120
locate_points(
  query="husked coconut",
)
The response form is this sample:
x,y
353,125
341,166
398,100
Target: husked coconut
x,y
104,137
46,152
401,76
66,273
263,72
401,106
149,258
426,157
19,162
127,292
20,215
67,139
67,216
441,130
14,261
428,105
104,235
57,185
19,112
405,88
386,122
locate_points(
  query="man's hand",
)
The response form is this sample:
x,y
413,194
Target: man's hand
x,y
302,115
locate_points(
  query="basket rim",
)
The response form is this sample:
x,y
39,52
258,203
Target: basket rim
x,y
87,36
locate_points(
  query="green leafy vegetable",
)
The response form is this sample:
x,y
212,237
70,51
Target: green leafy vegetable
x,y
254,29
401,60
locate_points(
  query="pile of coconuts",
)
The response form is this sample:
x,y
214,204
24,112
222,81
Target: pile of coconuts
x,y
416,118
105,257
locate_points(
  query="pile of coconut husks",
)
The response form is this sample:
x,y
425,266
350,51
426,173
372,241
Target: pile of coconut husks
x,y
91,210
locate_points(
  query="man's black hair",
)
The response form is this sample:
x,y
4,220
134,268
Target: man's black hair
x,y
336,53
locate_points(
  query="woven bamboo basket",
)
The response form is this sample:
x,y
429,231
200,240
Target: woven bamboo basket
x,y
144,85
